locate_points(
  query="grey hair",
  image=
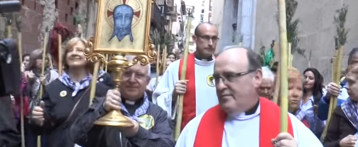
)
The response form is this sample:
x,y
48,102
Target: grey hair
x,y
130,59
267,73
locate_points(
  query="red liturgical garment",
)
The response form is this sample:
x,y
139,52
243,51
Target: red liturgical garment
x,y
189,103
211,127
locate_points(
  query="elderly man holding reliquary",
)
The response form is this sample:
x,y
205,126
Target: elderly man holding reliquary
x,y
125,117
151,125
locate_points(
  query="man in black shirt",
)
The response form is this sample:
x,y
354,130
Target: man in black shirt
x,y
151,124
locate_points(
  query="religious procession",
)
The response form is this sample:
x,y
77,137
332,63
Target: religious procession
x,y
121,88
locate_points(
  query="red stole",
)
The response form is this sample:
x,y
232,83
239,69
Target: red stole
x,y
305,122
189,103
211,127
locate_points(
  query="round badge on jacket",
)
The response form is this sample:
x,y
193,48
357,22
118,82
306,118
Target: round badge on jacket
x,y
63,93
146,121
210,81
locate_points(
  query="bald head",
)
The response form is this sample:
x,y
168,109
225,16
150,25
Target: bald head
x,y
203,26
245,57
237,56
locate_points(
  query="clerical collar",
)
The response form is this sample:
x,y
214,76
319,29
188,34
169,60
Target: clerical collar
x,y
253,109
199,58
138,102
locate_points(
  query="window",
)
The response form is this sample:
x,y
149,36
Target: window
x,y
74,21
35,4
23,2
76,5
66,17
202,10
68,2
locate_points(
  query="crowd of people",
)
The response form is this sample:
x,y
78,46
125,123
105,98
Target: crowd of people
x,y
228,102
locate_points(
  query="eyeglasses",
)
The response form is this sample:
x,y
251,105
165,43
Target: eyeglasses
x,y
208,38
230,77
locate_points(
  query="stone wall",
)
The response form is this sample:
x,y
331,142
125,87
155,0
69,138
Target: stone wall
x,y
33,19
316,31
224,15
31,25
91,18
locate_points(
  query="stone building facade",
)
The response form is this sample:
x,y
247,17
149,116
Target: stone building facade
x,y
40,14
33,19
258,22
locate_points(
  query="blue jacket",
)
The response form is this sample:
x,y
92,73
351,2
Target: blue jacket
x,y
323,105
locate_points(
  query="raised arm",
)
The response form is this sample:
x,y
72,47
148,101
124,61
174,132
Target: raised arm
x,y
323,107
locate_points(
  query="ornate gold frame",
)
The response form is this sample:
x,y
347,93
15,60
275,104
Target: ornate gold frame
x,y
147,54
118,63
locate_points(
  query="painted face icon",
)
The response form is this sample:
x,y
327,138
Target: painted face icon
x,y
122,18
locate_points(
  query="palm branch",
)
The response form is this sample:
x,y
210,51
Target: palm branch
x,y
292,27
340,39
340,20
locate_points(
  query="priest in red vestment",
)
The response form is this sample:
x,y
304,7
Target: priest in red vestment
x,y
198,88
242,118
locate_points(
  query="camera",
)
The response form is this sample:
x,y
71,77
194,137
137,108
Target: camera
x,y
10,6
10,72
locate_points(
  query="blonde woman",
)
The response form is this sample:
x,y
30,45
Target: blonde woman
x,y
295,94
66,97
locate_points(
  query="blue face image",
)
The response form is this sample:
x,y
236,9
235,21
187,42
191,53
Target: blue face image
x,y
122,18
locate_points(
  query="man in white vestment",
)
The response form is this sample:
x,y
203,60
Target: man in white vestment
x,y
153,81
242,118
198,89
